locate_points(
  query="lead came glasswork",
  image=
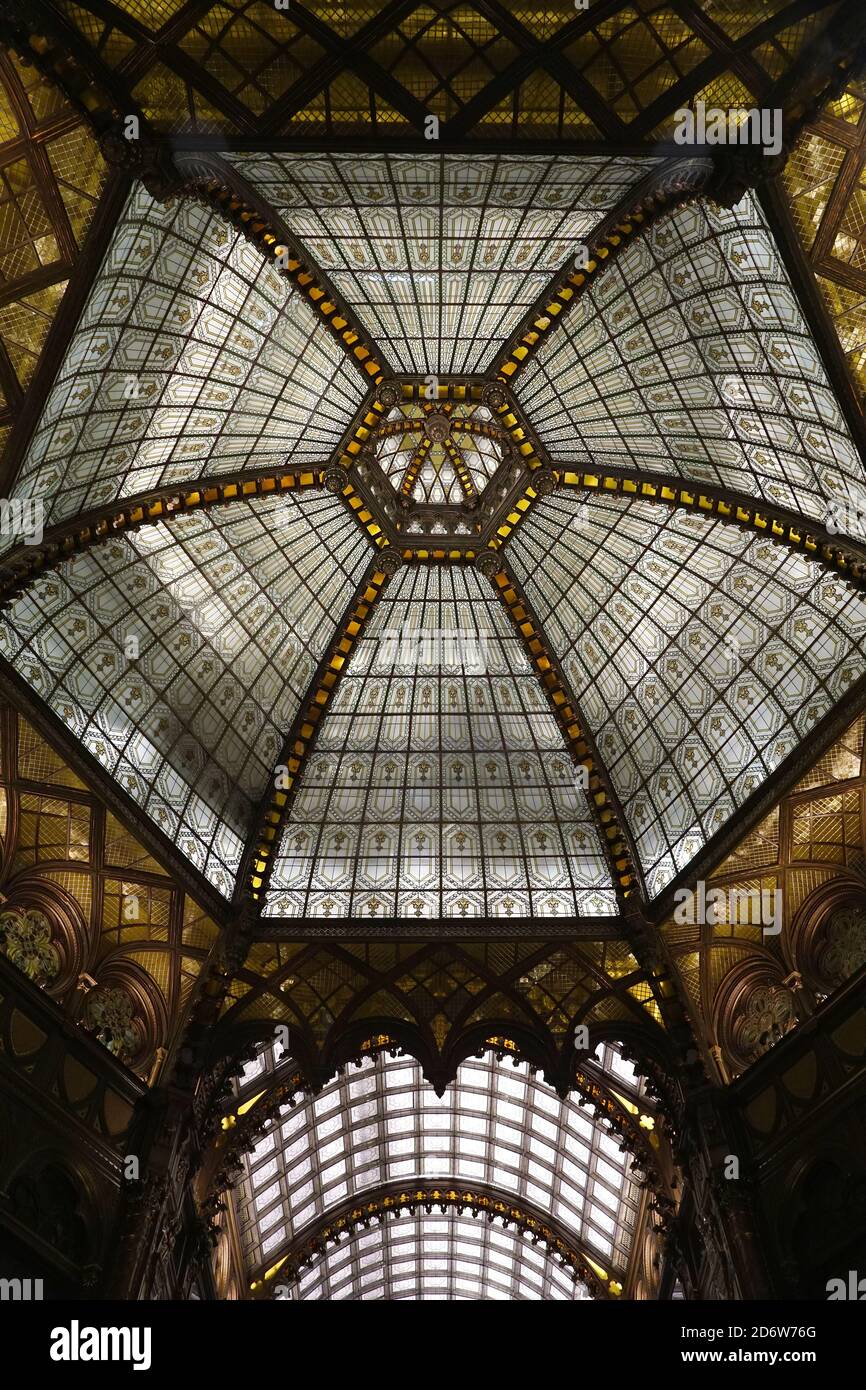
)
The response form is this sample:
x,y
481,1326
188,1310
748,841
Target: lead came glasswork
x,y
700,655
232,609
193,357
434,790
440,255
690,356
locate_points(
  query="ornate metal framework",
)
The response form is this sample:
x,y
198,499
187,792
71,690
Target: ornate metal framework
x,y
112,64
258,1119
492,70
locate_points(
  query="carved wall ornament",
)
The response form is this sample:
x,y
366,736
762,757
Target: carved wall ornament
x,y
828,935
26,940
494,395
109,1013
438,426
844,947
769,1014
335,479
388,393
755,1009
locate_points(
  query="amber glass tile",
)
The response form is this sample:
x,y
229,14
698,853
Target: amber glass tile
x,y
152,14
24,326
38,762
345,17
163,98
847,309
809,177
850,242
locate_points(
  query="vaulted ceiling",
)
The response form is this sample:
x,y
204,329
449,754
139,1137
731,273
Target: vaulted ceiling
x,y
196,656
452,493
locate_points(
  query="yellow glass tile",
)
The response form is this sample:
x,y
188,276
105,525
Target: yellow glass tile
x,y
736,18
162,96
848,311
9,126
24,325
38,762
809,178
123,851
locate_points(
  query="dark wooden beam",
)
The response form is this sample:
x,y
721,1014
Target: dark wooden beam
x,y
61,330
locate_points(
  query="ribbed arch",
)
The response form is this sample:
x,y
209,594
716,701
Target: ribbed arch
x,y
497,1129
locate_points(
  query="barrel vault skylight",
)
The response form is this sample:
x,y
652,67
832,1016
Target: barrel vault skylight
x,y
380,1128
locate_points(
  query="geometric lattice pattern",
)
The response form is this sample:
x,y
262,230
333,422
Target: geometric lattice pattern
x,y
440,255
179,656
440,785
700,656
51,176
193,356
432,464
320,70
690,356
496,1126
438,1256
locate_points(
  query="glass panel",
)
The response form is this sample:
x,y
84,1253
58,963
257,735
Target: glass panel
x,y
700,655
436,481
412,1134
440,255
439,784
179,655
193,357
690,356
439,1256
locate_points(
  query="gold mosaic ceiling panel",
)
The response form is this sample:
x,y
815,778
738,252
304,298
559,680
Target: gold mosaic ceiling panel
x,y
825,182
51,177
242,65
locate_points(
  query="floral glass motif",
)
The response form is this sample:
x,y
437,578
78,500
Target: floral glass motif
x,y
230,611
700,656
690,356
440,255
496,1125
193,357
110,1014
438,789
25,939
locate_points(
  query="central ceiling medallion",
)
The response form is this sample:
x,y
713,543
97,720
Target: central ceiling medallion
x,y
440,457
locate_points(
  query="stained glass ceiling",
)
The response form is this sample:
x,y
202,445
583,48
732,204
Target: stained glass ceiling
x,y
51,177
502,69
690,356
439,456
193,357
439,782
441,256
497,1127
700,656
440,785
180,655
